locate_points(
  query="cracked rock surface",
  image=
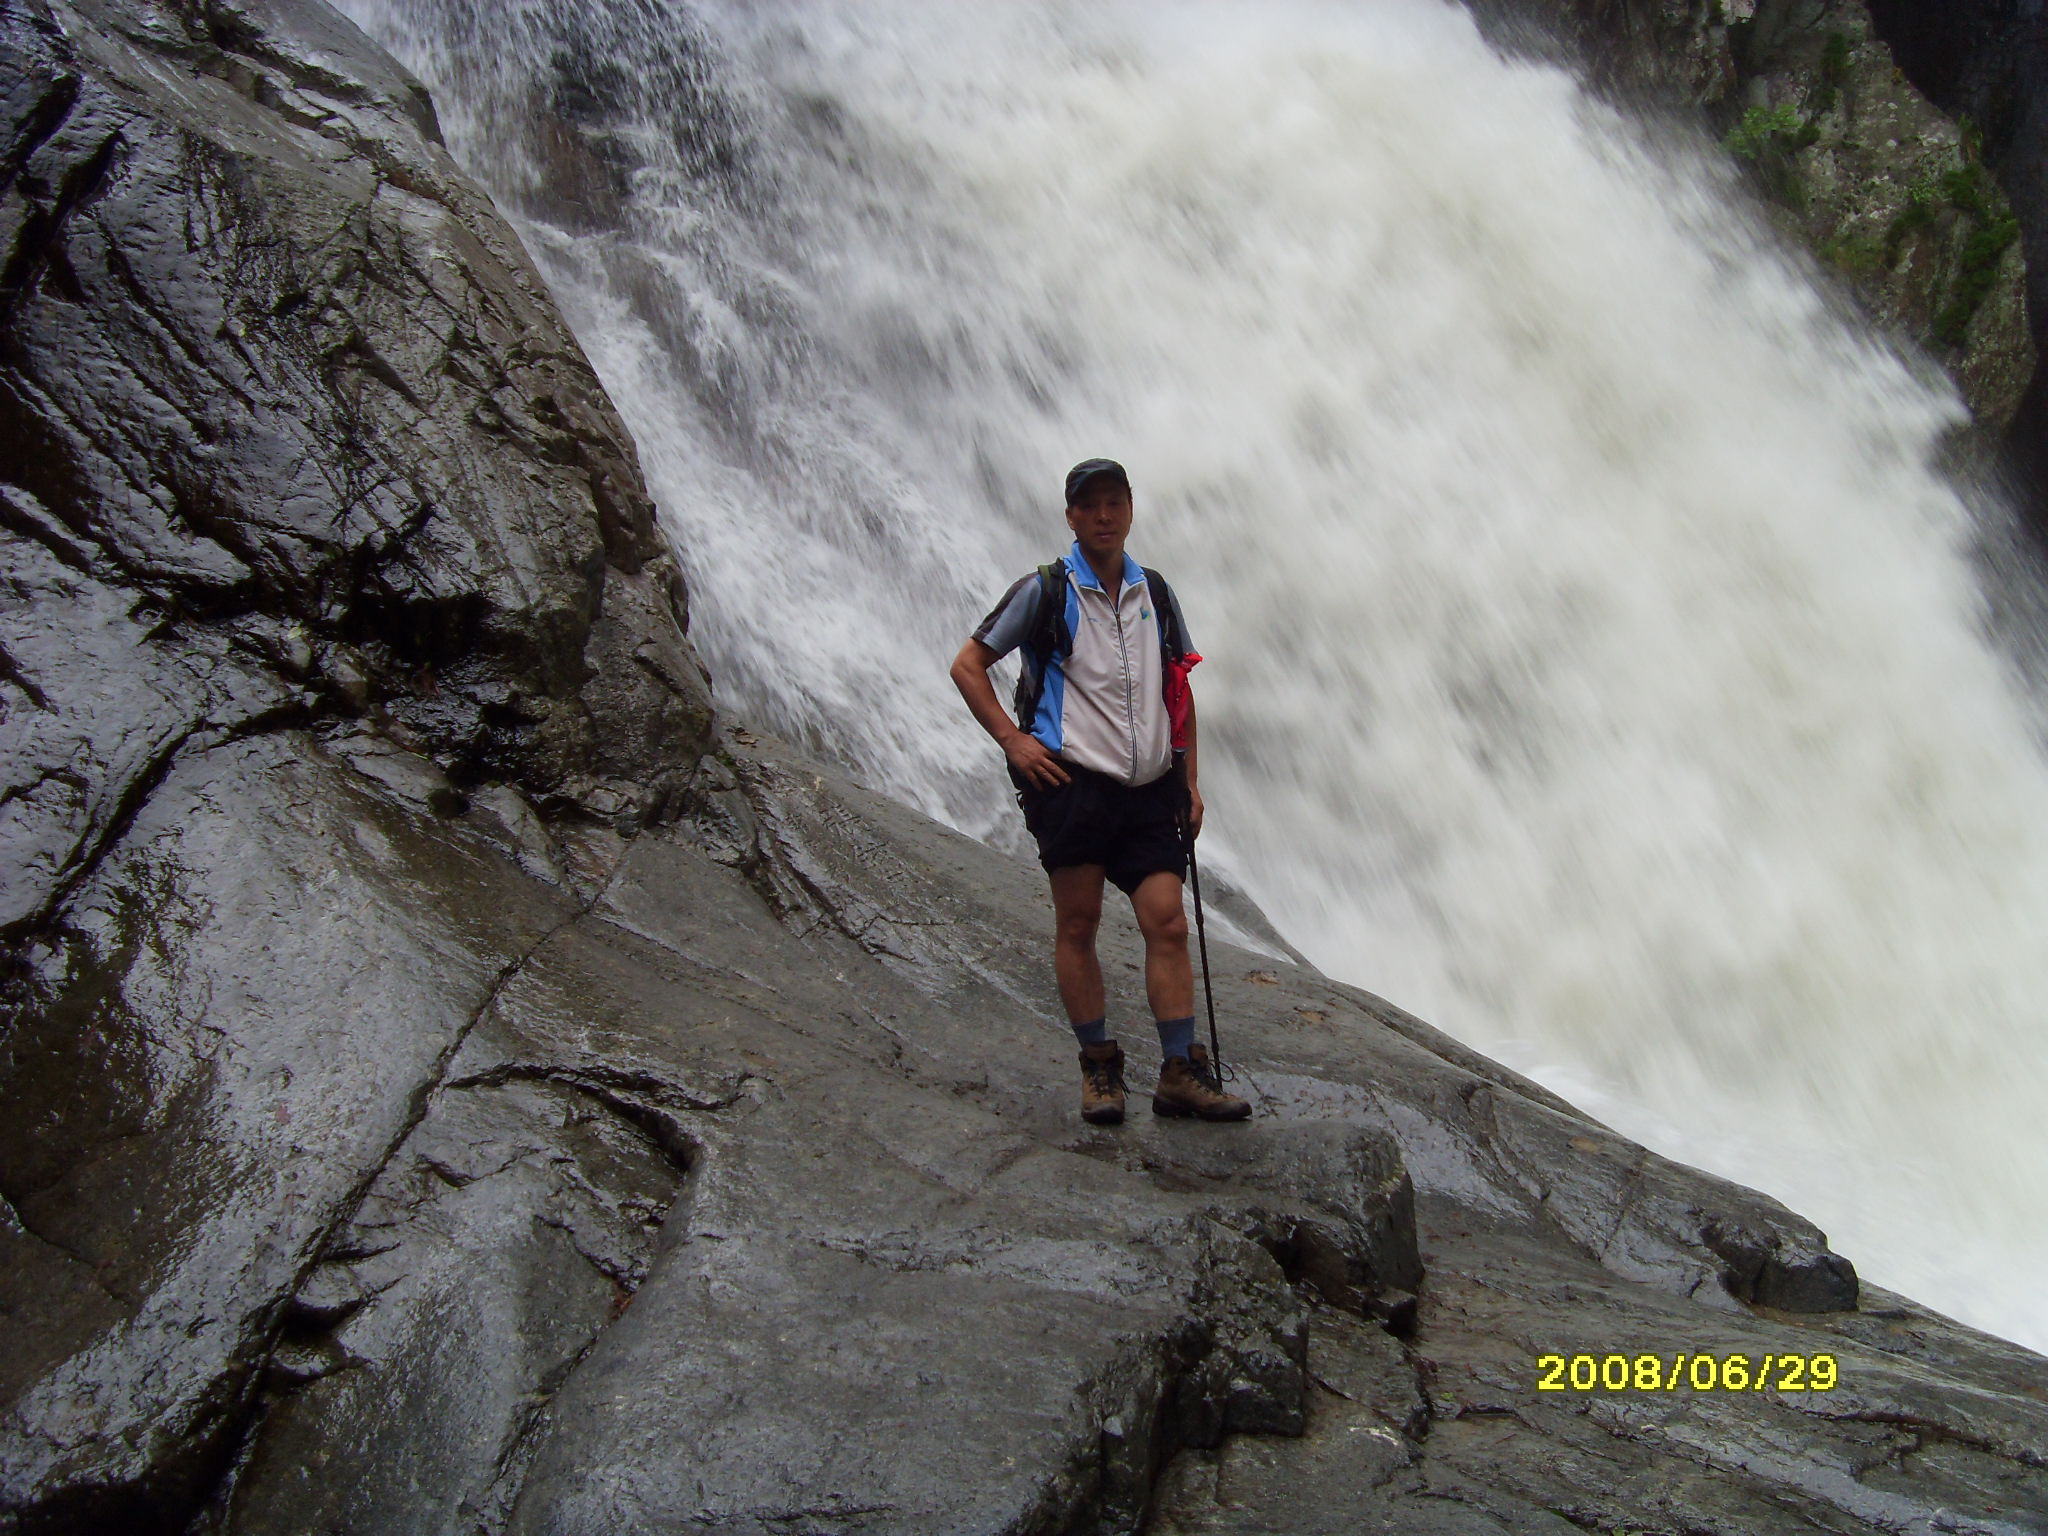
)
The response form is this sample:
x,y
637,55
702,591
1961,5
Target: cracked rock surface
x,y
700,1203
448,1086
293,433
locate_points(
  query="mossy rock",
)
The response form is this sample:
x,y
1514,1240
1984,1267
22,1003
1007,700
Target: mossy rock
x,y
1885,190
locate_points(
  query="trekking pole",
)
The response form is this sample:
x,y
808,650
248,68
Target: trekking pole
x,y
1187,834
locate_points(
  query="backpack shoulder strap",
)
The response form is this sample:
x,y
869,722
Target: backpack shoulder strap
x,y
1048,637
1173,632
1049,625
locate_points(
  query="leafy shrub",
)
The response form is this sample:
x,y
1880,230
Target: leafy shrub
x,y
1768,130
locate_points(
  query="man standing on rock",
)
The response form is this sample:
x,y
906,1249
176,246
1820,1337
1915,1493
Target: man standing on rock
x,y
1102,751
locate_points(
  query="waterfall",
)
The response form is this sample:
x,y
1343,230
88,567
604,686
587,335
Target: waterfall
x,y
1596,665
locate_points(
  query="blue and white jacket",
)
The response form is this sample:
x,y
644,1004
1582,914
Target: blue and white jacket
x,y
1102,703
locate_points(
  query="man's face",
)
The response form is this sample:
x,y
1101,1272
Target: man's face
x,y
1101,517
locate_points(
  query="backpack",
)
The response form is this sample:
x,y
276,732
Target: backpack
x,y
1049,637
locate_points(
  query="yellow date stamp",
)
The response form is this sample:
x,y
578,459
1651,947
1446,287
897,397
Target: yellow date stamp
x,y
1686,1373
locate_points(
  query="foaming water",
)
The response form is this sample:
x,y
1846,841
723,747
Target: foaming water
x,y
1595,663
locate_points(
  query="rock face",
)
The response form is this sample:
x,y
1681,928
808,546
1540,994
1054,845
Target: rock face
x,y
294,433
1854,162
294,442
1987,60
448,1086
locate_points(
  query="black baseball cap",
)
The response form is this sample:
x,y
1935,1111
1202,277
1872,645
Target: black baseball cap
x,y
1094,469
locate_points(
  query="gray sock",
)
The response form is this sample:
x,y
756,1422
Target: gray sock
x,y
1176,1036
1097,1033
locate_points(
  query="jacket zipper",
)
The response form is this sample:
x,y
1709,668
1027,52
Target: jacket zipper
x,y
1123,652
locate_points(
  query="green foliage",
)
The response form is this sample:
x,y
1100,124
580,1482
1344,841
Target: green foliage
x,y
1982,254
1968,187
1973,137
1966,190
1834,59
1770,138
1923,198
1834,72
1770,130
1857,255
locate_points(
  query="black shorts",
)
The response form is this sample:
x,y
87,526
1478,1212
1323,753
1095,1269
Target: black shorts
x,y
1094,819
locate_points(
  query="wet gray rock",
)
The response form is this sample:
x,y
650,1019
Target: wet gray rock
x,y
446,1087
240,1027
295,441
684,1193
1450,1437
514,1225
293,433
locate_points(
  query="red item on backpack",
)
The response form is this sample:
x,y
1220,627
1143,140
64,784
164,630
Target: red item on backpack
x,y
1179,696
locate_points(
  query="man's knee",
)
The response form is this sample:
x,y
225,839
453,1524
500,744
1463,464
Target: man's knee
x,y
1078,927
1077,905
1165,931
1161,917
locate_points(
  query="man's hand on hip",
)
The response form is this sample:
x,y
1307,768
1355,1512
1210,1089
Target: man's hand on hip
x,y
1028,755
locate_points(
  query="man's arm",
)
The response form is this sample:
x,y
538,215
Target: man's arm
x,y
1188,761
1025,751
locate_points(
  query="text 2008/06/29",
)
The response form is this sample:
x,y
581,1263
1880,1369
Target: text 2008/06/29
x,y
1686,1373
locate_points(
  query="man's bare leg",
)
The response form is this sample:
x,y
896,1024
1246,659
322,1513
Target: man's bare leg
x,y
1187,1083
1169,979
1077,913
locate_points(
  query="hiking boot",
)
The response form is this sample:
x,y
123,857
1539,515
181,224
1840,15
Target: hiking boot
x,y
1188,1087
1102,1083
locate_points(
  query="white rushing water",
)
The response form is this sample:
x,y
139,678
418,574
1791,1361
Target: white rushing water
x,y
1595,665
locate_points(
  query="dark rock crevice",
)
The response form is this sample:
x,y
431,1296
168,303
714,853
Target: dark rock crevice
x,y
18,515
92,1270
339,1363
40,235
44,115
101,837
